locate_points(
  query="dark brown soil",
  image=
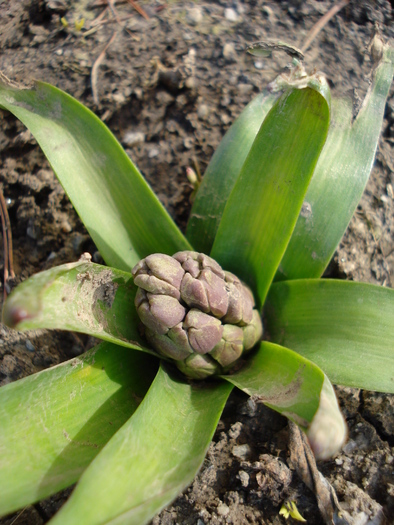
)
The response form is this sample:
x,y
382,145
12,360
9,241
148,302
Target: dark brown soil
x,y
169,86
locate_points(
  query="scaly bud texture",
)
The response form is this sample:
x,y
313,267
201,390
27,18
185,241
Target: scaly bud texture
x,y
195,313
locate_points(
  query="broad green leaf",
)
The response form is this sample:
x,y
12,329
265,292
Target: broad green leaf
x,y
223,170
263,207
82,297
344,327
298,389
55,422
339,179
120,211
154,456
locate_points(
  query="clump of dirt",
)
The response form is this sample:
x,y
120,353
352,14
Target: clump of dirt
x,y
169,83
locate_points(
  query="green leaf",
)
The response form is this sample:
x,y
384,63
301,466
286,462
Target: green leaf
x,y
55,422
82,297
344,327
222,172
120,211
283,380
154,456
263,207
298,389
339,180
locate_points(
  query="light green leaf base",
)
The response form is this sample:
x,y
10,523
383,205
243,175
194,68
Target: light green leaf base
x,y
55,422
154,456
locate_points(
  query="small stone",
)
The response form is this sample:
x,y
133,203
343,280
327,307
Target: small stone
x,y
119,98
249,408
230,14
235,430
171,126
202,111
32,230
188,142
153,152
223,509
194,15
349,447
244,478
229,52
268,12
131,138
65,226
241,451
29,345
245,89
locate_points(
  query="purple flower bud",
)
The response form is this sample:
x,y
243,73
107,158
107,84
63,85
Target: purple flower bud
x,y
194,313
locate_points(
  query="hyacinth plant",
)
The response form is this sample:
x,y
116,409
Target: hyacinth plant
x,y
131,419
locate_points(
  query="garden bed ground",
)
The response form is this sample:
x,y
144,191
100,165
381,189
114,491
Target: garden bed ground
x,y
168,86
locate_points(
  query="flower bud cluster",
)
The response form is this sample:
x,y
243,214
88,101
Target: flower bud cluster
x,y
195,313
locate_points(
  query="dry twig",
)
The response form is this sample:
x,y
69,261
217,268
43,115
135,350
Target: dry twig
x,y
96,65
138,9
321,23
7,242
304,462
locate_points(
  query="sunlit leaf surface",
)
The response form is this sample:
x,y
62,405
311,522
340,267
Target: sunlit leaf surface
x,y
106,189
55,422
223,171
263,207
82,297
154,456
339,179
346,328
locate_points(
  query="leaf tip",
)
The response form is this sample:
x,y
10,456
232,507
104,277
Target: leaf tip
x,y
14,314
327,432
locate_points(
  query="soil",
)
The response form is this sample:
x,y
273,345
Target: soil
x,y
169,85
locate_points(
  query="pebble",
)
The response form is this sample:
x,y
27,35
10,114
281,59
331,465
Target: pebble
x,y
230,14
223,509
244,478
245,89
268,13
65,226
119,98
171,126
350,446
249,408
153,152
29,345
229,52
194,15
32,231
241,451
188,142
235,430
131,138
202,111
